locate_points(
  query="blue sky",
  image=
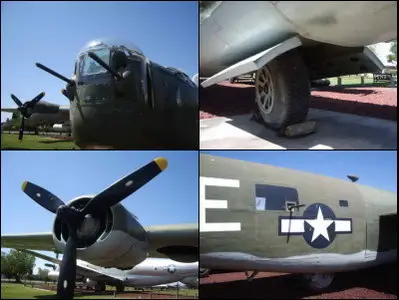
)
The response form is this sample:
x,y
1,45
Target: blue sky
x,y
170,198
52,33
374,168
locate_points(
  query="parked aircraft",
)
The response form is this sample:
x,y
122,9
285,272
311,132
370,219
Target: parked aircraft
x,y
150,272
36,114
99,230
256,217
121,99
288,44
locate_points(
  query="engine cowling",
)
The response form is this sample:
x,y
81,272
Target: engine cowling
x,y
113,238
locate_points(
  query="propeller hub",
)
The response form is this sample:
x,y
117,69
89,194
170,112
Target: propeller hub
x,y
88,226
70,215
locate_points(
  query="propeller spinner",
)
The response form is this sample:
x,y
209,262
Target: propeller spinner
x,y
26,110
74,218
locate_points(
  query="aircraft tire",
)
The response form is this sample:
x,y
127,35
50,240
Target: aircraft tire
x,y
232,79
318,281
282,91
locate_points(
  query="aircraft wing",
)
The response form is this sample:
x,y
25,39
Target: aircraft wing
x,y
85,269
37,241
169,240
165,240
9,110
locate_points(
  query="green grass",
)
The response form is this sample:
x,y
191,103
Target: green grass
x,y
19,291
11,141
356,80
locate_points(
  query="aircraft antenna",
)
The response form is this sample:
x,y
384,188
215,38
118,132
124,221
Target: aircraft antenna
x,y
353,178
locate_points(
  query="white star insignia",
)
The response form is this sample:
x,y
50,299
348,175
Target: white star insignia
x,y
320,226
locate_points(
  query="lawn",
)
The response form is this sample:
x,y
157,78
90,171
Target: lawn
x,y
11,141
19,291
356,80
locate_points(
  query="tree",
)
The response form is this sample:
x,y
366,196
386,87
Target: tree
x,y
392,57
17,264
3,263
43,274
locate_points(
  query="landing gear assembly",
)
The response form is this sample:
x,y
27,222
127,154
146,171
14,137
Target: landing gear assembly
x,y
318,281
282,95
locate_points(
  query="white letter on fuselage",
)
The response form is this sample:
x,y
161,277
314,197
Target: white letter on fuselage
x,y
208,203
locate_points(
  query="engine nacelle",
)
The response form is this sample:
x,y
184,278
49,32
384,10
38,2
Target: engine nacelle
x,y
53,275
113,238
61,127
191,282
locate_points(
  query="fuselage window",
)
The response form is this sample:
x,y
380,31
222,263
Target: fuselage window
x,y
273,197
343,203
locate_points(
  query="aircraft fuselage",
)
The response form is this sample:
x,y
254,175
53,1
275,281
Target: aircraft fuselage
x,y
149,106
231,31
246,223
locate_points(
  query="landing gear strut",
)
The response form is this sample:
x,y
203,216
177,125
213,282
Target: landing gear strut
x,y
120,288
99,287
252,276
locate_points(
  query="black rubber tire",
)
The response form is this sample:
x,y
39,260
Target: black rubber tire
x,y
314,286
232,79
291,91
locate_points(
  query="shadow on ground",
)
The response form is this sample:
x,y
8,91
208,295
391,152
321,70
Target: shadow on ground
x,y
382,279
227,100
55,141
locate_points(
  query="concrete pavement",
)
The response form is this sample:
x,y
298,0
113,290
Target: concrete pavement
x,y
334,131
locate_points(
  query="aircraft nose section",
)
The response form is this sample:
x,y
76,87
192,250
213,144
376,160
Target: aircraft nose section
x,y
95,94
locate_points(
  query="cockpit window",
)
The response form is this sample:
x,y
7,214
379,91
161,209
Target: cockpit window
x,y
89,66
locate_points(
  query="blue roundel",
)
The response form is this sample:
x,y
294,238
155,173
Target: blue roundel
x,y
319,225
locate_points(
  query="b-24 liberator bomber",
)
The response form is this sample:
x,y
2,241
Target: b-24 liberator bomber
x,y
256,217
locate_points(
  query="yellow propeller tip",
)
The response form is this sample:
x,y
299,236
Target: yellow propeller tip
x,y
24,185
161,162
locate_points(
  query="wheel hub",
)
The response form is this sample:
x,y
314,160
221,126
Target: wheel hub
x,y
320,280
264,90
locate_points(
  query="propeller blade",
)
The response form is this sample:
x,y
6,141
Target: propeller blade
x,y
21,129
48,70
37,99
64,92
98,60
42,196
16,100
67,276
125,186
